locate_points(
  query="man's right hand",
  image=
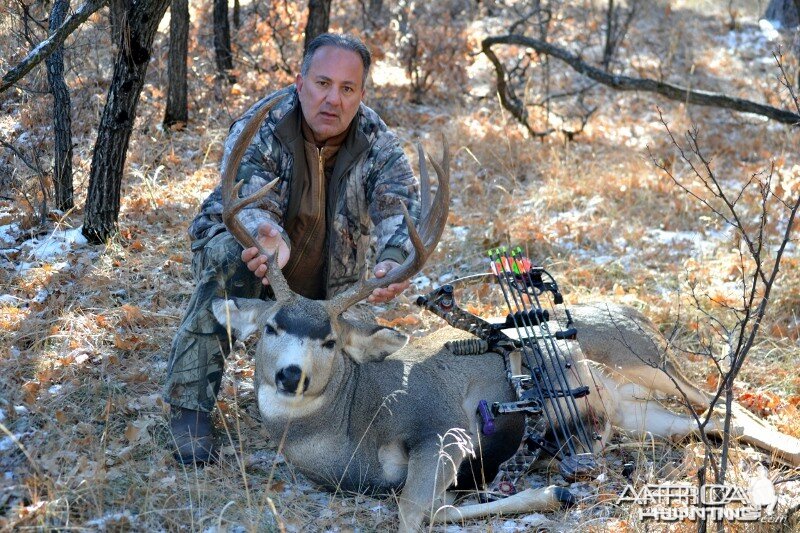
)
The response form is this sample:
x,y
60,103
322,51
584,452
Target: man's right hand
x,y
270,239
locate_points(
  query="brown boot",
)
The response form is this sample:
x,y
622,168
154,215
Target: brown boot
x,y
191,431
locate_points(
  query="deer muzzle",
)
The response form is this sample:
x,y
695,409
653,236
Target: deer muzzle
x,y
288,380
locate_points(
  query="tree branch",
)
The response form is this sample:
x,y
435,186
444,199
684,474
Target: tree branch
x,y
49,45
625,83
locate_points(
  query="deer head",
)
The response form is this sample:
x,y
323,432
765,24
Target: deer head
x,y
301,339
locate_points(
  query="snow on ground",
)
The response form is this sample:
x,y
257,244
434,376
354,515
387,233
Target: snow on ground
x,y
54,245
9,234
702,243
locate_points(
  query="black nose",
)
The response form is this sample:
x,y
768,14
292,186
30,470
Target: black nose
x,y
288,379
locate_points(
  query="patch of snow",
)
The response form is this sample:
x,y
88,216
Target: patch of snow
x,y
22,267
421,281
7,443
8,299
603,259
55,244
2,414
8,476
749,38
55,389
446,277
9,234
41,296
770,29
459,232
111,521
702,243
20,410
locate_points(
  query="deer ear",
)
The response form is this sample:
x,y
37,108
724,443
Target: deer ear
x,y
366,343
240,315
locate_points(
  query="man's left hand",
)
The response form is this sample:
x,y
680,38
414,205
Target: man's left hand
x,y
387,293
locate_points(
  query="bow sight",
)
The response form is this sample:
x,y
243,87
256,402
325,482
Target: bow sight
x,y
545,380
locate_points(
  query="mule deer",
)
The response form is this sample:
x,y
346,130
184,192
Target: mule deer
x,y
360,410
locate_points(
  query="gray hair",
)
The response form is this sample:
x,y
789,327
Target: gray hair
x,y
339,40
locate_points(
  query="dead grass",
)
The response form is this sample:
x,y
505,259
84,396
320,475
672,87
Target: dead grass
x,y
85,342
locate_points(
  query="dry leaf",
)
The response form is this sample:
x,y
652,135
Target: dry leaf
x,y
132,316
137,430
31,391
406,320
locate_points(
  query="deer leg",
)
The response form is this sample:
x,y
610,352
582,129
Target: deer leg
x,y
669,381
544,499
432,469
637,415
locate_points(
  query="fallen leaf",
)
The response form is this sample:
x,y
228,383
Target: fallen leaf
x,y
31,391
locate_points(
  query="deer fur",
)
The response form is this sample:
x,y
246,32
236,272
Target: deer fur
x,y
378,415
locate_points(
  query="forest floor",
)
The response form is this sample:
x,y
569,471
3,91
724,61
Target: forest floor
x,y
85,330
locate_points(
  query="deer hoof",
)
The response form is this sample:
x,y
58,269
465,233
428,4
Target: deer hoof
x,y
564,497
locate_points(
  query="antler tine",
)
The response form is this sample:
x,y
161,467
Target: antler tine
x,y
424,240
232,204
424,181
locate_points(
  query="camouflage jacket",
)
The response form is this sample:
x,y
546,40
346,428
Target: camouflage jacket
x,y
371,173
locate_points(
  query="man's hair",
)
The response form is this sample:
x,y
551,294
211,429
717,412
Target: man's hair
x,y
339,40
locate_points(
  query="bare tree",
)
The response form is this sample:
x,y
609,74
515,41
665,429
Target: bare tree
x,y
319,17
177,110
116,123
222,41
237,14
62,119
762,217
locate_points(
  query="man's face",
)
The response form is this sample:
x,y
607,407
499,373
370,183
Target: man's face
x,y
331,91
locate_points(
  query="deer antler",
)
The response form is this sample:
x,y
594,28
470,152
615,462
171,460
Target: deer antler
x,y
232,204
424,240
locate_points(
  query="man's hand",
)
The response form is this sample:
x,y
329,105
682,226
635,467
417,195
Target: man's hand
x,y
387,293
270,238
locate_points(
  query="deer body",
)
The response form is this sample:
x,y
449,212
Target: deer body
x,y
375,413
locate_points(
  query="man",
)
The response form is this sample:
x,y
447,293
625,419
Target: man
x,y
339,169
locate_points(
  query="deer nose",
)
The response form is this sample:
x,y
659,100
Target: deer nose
x,y
288,379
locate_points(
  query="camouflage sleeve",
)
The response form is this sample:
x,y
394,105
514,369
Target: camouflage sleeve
x,y
258,168
389,181
262,162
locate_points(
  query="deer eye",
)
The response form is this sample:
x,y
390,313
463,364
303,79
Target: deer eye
x,y
269,330
328,345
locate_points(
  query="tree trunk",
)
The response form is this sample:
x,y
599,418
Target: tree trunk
x,y
116,123
117,12
177,106
319,16
222,40
376,10
237,16
62,119
787,12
